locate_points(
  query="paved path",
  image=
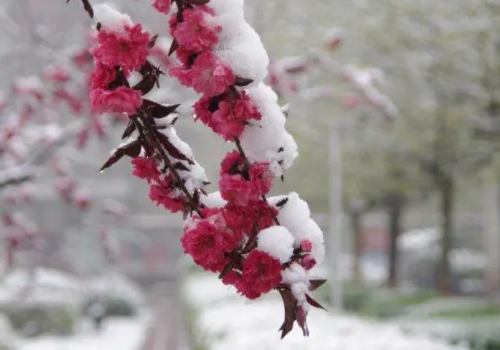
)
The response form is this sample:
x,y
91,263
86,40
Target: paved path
x,y
167,327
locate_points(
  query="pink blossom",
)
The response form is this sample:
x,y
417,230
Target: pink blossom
x,y
81,200
306,246
231,278
82,137
308,262
186,56
255,216
233,115
162,194
145,168
237,190
194,33
163,6
208,241
82,58
202,111
57,74
232,163
102,76
121,100
261,177
261,273
128,51
182,74
210,76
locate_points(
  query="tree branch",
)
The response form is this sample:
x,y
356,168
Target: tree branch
x,y
27,171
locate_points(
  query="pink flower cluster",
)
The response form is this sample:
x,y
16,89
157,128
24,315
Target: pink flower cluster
x,y
117,55
224,239
162,186
200,68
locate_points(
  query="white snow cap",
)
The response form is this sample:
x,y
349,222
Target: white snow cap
x,y
213,200
110,19
263,139
296,217
295,213
295,274
248,59
276,241
232,7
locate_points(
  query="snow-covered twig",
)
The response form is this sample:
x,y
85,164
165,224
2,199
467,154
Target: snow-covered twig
x,y
28,170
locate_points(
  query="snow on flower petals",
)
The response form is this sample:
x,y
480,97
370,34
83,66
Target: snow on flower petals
x,y
194,33
129,50
121,100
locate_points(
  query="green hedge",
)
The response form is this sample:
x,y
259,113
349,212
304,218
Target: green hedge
x,y
37,319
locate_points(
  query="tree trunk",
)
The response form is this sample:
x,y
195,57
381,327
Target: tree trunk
x,y
356,227
394,211
447,194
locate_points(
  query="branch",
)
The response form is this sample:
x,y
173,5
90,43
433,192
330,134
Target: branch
x,y
27,170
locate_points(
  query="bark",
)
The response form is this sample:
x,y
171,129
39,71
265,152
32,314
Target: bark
x,y
447,196
356,227
395,212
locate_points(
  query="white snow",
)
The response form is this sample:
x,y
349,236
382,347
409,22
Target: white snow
x,y
295,213
213,200
296,217
226,322
111,19
117,334
248,60
277,241
28,84
233,7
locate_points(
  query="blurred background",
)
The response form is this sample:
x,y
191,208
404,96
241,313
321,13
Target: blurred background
x,y
395,106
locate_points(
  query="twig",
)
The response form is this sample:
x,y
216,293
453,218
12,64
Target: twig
x,y
153,138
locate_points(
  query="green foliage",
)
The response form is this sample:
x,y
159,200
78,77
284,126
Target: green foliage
x,y
37,319
114,306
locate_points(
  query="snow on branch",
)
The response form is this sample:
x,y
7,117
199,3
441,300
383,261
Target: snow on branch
x,y
256,244
29,169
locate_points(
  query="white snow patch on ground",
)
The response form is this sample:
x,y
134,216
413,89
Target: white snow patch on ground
x,y
227,322
117,334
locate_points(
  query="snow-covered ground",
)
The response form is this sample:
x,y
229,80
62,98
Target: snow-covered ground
x,y
226,322
119,334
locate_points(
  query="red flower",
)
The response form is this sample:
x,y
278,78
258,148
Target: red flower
x,y
210,76
128,51
237,190
232,163
145,168
201,109
185,56
261,273
261,177
233,115
182,74
306,245
194,33
244,220
102,76
163,6
162,194
308,262
121,100
209,240
231,278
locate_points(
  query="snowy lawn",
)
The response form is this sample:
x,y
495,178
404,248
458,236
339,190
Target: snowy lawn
x,y
117,334
224,321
